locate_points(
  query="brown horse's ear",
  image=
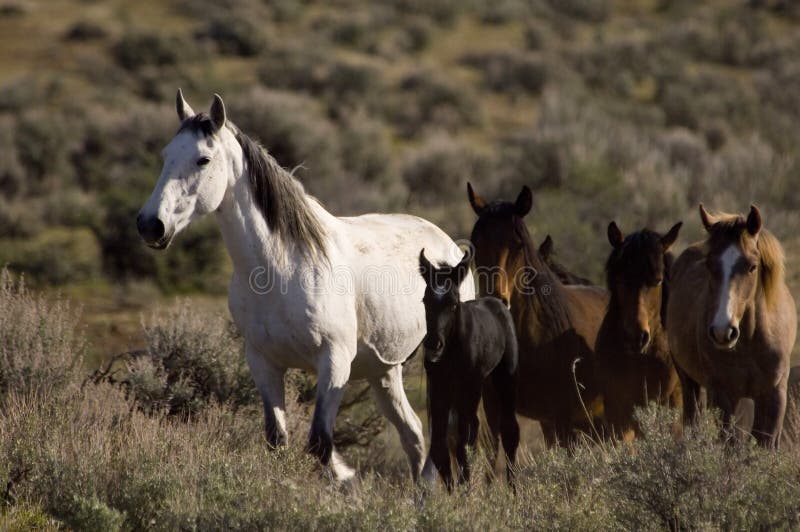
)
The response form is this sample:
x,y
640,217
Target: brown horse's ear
x,y
546,247
707,219
524,201
217,113
671,236
461,269
426,269
754,220
184,109
477,202
615,236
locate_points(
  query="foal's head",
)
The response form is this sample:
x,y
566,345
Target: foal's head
x,y
635,271
733,259
497,240
442,298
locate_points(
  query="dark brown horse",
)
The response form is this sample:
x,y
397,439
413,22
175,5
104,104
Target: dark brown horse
x,y
733,322
632,353
556,324
547,253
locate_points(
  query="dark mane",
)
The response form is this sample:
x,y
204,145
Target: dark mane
x,y
551,298
278,195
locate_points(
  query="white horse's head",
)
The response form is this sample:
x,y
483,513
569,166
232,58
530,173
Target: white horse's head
x,y
198,168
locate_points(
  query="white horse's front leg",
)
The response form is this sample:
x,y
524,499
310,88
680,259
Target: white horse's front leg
x,y
333,372
269,381
393,403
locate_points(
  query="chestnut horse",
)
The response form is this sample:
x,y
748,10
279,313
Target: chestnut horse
x,y
556,324
733,322
632,353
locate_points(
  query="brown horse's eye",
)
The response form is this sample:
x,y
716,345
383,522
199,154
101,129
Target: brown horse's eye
x,y
752,268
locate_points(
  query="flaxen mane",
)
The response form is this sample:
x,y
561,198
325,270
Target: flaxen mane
x,y
279,196
733,227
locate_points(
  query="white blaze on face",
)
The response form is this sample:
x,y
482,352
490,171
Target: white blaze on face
x,y
724,315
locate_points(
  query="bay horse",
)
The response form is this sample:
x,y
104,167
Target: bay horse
x,y
556,324
469,346
733,322
632,352
547,252
340,297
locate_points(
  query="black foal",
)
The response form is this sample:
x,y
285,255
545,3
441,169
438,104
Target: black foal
x,y
468,347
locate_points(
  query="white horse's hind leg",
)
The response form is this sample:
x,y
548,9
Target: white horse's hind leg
x,y
332,375
269,381
393,403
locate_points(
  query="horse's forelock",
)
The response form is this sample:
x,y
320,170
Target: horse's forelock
x,y
732,229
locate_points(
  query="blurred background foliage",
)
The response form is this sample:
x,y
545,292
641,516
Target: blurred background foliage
x,y
633,110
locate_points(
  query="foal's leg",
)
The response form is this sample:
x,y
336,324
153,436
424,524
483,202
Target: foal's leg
x,y
333,372
770,408
503,382
269,383
393,403
491,410
467,429
439,412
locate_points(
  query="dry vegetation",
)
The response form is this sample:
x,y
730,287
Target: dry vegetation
x,y
629,109
162,444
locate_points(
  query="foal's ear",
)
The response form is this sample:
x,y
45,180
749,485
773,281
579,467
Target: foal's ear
x,y
615,236
425,267
183,108
671,236
754,220
524,201
217,113
707,219
460,270
546,247
477,202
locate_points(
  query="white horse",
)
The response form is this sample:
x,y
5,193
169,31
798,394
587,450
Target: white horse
x,y
303,290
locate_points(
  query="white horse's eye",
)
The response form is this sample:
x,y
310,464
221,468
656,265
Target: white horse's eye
x,y
202,161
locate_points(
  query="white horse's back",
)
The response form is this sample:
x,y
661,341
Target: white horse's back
x,y
384,256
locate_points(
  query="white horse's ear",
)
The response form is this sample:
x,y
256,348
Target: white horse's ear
x,y
183,108
707,219
217,113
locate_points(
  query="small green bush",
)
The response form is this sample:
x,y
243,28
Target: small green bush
x,y
506,71
137,49
234,34
55,256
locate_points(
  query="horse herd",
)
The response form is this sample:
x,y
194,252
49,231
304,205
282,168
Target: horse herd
x,y
539,341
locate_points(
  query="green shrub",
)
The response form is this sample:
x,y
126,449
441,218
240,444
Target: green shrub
x,y
506,71
430,100
55,256
234,34
85,30
585,10
137,49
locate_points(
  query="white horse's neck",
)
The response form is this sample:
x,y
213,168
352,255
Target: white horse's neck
x,y
251,244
